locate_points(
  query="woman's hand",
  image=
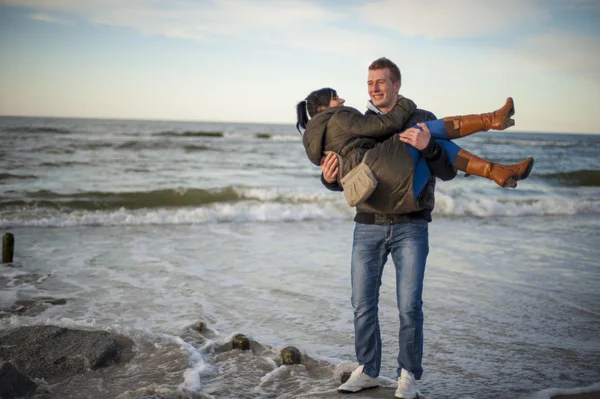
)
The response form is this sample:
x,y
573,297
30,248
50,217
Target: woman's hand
x,y
418,138
329,167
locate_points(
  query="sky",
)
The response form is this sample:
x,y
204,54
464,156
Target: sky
x,y
253,60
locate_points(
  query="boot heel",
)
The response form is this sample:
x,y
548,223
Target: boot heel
x,y
510,183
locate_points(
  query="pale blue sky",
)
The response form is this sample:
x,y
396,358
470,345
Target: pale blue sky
x,y
252,61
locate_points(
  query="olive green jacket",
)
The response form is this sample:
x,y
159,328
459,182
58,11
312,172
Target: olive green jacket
x,y
354,136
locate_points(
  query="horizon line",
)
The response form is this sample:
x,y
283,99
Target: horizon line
x,y
234,122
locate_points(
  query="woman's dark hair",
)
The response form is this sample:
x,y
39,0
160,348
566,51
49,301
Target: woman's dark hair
x,y
311,106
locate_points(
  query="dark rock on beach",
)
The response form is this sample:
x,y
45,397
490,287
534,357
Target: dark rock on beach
x,y
50,351
14,384
31,307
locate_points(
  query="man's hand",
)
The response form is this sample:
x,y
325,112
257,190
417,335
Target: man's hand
x,y
416,137
329,167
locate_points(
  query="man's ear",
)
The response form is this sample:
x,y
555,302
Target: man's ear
x,y
397,86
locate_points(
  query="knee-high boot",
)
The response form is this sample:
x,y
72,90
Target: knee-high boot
x,y
464,125
503,175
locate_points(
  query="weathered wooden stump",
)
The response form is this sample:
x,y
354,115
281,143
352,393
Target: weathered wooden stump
x,y
8,247
290,355
199,326
241,342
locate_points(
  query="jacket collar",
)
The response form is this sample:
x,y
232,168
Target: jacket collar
x,y
372,107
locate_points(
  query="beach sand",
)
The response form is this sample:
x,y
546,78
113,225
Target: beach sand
x,y
587,395
388,393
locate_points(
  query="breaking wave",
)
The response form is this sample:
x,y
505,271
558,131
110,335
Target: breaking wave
x,y
246,204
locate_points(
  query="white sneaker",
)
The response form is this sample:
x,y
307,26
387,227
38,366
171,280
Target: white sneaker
x,y
407,386
359,381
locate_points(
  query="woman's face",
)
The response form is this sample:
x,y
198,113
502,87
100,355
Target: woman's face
x,y
336,101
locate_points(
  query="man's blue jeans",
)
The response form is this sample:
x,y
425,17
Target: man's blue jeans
x,y
408,243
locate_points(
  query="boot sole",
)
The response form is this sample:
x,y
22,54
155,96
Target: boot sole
x,y
511,182
508,121
527,171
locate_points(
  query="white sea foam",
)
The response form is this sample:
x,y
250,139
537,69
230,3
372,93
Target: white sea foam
x,y
551,392
281,195
484,207
191,376
533,143
286,137
271,206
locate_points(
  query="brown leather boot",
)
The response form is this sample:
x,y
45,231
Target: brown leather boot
x,y
460,126
503,175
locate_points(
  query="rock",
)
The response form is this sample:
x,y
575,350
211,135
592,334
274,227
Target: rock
x,y
31,307
290,355
14,384
47,351
125,347
199,326
241,342
155,391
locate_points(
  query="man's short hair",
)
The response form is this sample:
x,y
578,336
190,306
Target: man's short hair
x,y
382,63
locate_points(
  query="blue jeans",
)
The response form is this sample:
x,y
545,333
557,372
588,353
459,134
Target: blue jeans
x,y
408,243
422,172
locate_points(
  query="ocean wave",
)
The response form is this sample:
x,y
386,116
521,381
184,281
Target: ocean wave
x,y
287,137
241,212
192,148
241,205
447,206
9,176
36,129
533,143
153,145
190,134
585,178
169,198
62,164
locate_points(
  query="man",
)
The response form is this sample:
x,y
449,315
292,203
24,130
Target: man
x,y
404,236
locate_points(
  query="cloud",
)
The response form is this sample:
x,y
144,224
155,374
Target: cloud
x,y
437,19
281,23
49,18
564,51
188,19
325,28
284,22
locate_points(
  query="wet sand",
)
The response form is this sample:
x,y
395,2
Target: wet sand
x,y
587,395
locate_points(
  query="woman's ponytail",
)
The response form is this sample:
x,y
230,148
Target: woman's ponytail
x,y
301,115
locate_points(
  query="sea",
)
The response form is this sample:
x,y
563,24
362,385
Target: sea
x,y
145,228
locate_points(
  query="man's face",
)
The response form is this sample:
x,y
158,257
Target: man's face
x,y
382,91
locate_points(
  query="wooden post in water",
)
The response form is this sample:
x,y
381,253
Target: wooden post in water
x,y
8,247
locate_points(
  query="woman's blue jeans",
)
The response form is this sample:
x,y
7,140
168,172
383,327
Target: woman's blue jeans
x,y
408,243
422,173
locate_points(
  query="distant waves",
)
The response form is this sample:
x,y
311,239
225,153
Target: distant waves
x,y
584,178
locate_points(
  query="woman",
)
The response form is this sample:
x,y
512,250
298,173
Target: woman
x,y
400,169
